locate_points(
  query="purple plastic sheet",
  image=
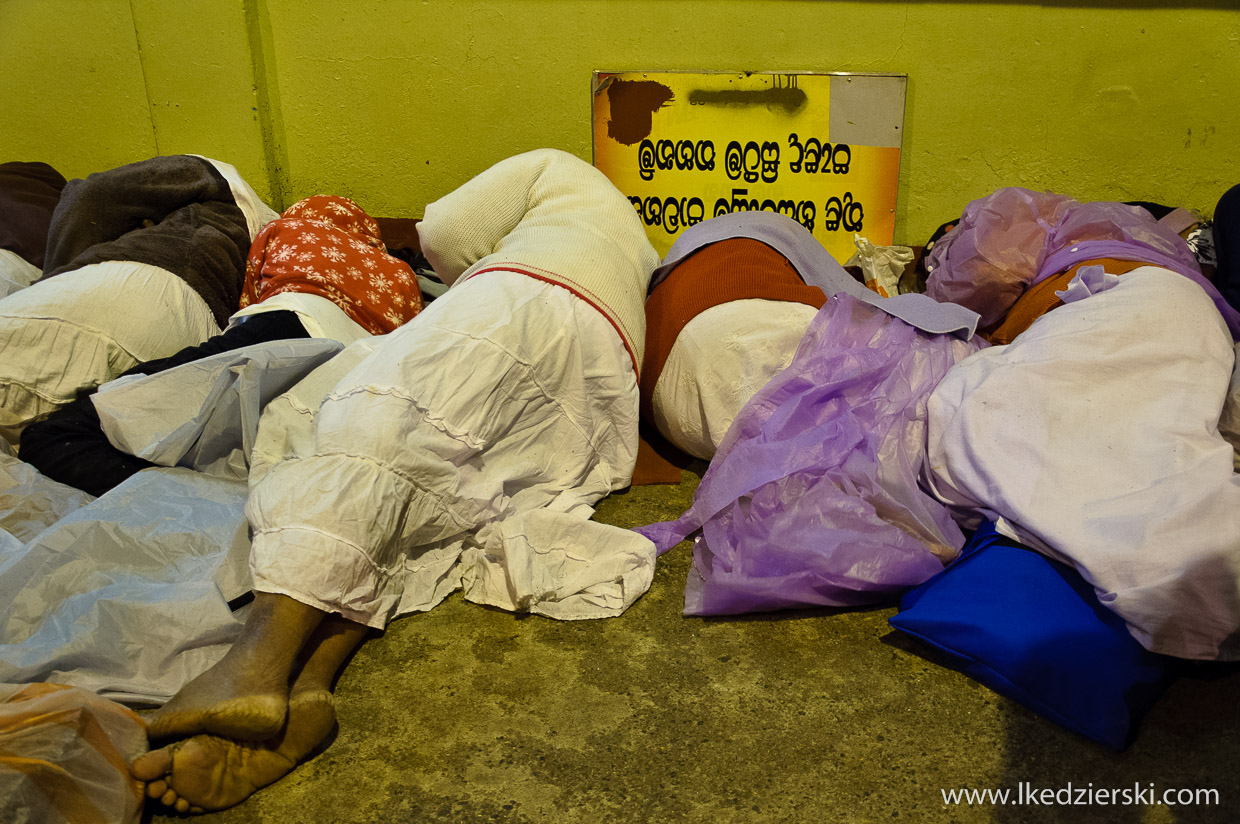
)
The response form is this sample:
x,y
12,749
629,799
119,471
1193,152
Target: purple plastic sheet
x,y
1011,239
813,497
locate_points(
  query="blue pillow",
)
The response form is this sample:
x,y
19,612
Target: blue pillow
x,y
1032,629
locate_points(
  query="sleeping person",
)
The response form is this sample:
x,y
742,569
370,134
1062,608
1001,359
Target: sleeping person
x,y
1226,236
141,261
320,270
725,313
28,196
812,496
1093,436
464,450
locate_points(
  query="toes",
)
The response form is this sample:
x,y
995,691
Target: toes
x,y
156,788
182,806
151,765
169,798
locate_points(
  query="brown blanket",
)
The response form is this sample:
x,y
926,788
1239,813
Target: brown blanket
x,y
28,194
177,213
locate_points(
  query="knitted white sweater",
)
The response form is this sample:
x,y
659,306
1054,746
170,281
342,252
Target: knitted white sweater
x,y
552,216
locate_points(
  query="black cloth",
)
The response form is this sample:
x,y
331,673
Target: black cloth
x,y
1158,210
177,213
1227,246
70,446
29,193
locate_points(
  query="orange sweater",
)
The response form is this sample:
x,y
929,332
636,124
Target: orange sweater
x,y
1040,299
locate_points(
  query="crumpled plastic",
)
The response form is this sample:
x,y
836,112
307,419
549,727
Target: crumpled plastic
x,y
1009,240
1088,281
64,756
813,497
204,415
15,273
883,266
31,502
129,595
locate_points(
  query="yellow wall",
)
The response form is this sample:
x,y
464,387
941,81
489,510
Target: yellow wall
x,y
394,102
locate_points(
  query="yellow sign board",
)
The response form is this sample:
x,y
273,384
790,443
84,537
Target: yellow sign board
x,y
823,149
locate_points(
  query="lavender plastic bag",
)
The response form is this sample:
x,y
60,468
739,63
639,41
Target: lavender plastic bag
x,y
1011,239
813,498
995,251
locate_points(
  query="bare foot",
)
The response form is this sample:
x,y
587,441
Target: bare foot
x,y
244,696
207,772
222,702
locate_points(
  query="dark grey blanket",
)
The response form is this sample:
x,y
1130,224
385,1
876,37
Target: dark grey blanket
x,y
28,194
177,213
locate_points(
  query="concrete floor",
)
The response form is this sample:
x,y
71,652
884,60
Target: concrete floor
x,y
468,714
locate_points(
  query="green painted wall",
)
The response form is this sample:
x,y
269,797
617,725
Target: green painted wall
x,y
394,102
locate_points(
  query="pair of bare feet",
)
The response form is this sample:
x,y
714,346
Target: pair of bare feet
x,y
210,772
240,725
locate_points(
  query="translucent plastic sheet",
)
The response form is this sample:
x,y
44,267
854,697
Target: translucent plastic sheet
x,y
15,273
1011,239
64,756
129,595
813,497
30,502
204,415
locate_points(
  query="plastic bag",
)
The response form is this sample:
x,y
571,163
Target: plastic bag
x,y
31,502
204,415
129,595
64,756
883,266
1009,240
813,496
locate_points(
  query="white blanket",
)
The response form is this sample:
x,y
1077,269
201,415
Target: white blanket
x,y
85,327
1095,437
719,360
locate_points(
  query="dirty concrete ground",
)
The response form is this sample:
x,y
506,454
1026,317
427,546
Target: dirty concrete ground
x,y
469,714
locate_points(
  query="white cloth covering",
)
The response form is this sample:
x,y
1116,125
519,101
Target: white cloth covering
x,y
465,449
85,327
1229,422
719,360
1095,436
554,217
321,317
16,273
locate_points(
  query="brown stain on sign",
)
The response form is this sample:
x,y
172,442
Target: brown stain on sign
x,y
633,104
